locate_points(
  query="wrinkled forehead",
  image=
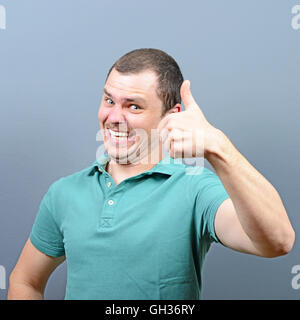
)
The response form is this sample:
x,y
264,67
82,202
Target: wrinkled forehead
x,y
143,85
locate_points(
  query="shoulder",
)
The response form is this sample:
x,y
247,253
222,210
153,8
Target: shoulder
x,y
71,183
195,173
199,174
194,179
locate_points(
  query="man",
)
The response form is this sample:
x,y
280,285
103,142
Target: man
x,y
133,228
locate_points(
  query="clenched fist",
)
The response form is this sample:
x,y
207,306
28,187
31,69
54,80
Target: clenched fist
x,y
187,134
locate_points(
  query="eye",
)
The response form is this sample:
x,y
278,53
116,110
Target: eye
x,y
134,107
109,101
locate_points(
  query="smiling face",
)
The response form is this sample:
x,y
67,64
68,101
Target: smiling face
x,y
129,109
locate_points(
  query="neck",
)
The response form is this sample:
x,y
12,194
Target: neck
x,y
120,172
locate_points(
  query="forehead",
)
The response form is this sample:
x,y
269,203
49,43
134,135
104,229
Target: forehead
x,y
143,84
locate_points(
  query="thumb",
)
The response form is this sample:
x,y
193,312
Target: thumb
x,y
186,95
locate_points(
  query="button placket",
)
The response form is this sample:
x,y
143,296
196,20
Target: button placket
x,y
107,215
112,194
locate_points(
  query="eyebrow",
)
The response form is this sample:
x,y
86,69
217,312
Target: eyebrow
x,y
128,99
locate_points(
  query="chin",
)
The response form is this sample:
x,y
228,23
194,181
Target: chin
x,y
131,155
119,155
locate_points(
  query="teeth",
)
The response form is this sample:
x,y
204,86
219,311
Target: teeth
x,y
118,134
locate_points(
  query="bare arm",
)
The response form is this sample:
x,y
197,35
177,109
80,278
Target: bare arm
x,y
31,273
254,219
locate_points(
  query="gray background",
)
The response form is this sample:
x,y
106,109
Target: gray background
x,y
243,60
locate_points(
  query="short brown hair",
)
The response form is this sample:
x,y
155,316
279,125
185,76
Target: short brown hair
x,y
166,68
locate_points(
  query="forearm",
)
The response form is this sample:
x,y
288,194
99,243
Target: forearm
x,y
22,291
257,203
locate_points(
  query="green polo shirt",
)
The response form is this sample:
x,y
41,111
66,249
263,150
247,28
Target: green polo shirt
x,y
143,239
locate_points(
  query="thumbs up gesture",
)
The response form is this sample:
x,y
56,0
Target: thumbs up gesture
x,y
187,134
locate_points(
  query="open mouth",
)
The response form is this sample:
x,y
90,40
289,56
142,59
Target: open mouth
x,y
119,137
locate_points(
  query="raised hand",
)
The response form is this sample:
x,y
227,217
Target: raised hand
x,y
187,134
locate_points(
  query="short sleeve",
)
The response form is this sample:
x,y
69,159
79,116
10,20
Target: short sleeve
x,y
211,194
45,234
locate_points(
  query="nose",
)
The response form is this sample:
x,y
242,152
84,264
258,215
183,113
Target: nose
x,y
115,114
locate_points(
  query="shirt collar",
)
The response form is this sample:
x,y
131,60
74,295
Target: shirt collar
x,y
167,165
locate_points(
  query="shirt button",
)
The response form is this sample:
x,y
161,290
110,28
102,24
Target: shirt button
x,y
109,184
110,202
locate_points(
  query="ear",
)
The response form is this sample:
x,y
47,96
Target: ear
x,y
176,108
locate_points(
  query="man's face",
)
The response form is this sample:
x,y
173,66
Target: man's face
x,y
129,109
